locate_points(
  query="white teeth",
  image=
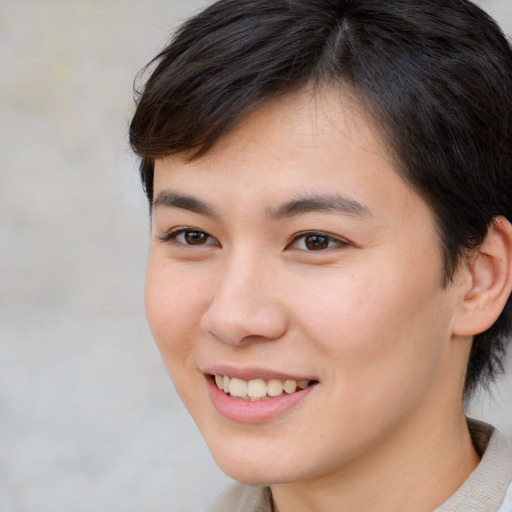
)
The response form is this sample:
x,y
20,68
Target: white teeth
x,y
257,388
303,384
275,387
225,385
238,387
290,386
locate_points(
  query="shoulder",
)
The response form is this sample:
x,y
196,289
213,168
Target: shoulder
x,y
242,498
488,487
506,505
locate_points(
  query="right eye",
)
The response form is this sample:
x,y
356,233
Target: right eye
x,y
189,236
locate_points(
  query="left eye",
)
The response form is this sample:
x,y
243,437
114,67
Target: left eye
x,y
315,242
191,237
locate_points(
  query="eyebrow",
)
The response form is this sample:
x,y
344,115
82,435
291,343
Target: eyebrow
x,y
175,200
322,203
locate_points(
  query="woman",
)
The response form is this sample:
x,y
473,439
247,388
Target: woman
x,y
331,260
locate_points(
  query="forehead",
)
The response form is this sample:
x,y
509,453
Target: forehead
x,y
301,143
303,120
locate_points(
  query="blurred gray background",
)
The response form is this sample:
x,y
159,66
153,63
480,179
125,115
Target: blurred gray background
x,y
88,417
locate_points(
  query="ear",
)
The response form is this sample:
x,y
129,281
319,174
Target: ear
x,y
488,281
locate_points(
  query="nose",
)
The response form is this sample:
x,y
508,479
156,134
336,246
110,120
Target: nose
x,y
245,304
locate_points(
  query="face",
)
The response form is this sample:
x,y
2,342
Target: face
x,y
293,268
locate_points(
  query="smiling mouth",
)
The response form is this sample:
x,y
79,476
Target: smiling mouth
x,y
259,389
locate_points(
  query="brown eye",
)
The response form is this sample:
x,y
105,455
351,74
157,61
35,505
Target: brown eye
x,y
189,237
316,242
195,237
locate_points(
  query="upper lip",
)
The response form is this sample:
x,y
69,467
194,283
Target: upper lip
x,y
251,373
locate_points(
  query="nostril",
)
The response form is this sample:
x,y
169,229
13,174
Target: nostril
x,y
244,321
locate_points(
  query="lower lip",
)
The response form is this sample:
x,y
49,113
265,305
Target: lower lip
x,y
262,411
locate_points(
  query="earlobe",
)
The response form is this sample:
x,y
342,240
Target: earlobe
x,y
489,281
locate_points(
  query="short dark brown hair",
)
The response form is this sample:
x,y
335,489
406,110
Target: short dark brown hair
x,y
436,76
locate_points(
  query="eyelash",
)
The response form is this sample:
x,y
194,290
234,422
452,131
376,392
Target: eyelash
x,y
322,238
331,241
173,234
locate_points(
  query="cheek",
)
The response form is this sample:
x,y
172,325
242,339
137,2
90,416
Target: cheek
x,y
382,344
172,308
377,327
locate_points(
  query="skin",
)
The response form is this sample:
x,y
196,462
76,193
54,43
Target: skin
x,y
367,316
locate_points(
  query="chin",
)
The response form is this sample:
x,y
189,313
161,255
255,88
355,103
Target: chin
x,y
255,476
257,467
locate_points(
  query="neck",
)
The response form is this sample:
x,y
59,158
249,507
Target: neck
x,y
399,475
